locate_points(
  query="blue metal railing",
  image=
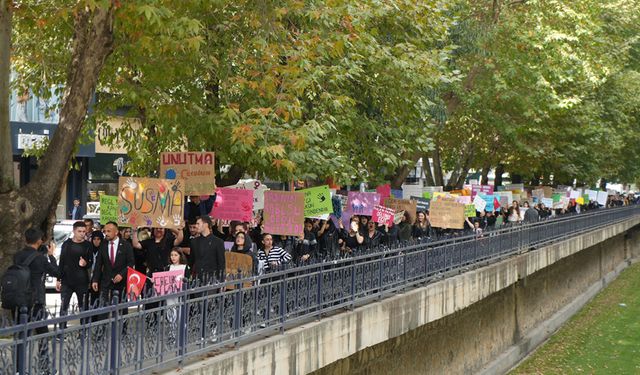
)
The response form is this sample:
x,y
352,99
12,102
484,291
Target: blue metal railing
x,y
153,333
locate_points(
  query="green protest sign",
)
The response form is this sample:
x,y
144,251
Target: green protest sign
x,y
427,194
469,210
556,197
317,201
108,209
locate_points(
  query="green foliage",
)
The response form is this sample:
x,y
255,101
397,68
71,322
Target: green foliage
x,y
354,89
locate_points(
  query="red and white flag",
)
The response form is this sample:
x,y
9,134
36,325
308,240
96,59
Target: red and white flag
x,y
135,282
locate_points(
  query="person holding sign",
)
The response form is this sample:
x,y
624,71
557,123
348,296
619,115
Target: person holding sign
x,y
157,248
242,246
307,244
353,239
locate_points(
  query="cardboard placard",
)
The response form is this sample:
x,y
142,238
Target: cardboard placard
x,y
317,201
151,202
548,202
548,191
422,204
427,191
383,215
362,203
284,213
167,282
233,204
197,169
447,213
464,199
407,205
238,262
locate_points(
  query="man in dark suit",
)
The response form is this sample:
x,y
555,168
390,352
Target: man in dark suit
x,y
207,260
110,272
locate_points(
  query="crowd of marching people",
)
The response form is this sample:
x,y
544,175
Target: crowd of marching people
x,y
94,261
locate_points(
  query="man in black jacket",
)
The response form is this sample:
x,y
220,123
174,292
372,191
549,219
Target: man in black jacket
x,y
75,261
110,271
39,267
207,253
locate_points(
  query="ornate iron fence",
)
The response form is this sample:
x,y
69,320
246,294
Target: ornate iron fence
x,y
153,333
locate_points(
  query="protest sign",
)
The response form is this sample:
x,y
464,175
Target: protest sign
x,y
422,204
447,213
427,191
238,265
548,191
489,203
396,193
167,282
384,191
464,199
233,204
407,205
284,213
484,189
151,202
580,200
469,210
602,198
411,190
479,203
362,203
317,201
575,194
586,198
109,209
556,197
197,169
548,202
593,195
383,215
538,193
514,187
258,189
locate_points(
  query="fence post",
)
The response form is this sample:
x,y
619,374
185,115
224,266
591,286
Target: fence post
x,y
113,358
21,347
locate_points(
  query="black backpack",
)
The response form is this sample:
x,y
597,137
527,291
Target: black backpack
x,y
16,284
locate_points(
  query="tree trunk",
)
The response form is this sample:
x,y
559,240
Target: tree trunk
x,y
484,178
6,153
437,167
36,203
426,166
499,171
603,184
402,172
516,178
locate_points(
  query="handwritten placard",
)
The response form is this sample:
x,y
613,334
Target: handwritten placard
x,y
383,215
233,204
258,189
197,169
422,204
284,213
108,209
384,191
167,282
317,201
151,202
447,213
470,210
407,205
362,203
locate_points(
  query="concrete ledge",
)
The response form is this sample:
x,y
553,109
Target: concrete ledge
x,y
318,344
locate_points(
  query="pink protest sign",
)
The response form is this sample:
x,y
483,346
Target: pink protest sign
x,y
362,203
384,191
233,204
167,282
383,215
284,213
482,189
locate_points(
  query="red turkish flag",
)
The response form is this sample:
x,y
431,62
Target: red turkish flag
x,y
496,204
135,282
